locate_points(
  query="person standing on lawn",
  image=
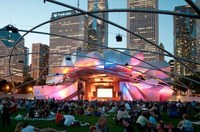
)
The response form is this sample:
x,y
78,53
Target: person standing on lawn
x,y
5,108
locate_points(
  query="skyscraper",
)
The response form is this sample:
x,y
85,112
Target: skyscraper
x,y
75,27
26,62
198,36
185,40
7,41
97,29
40,59
145,25
161,55
171,63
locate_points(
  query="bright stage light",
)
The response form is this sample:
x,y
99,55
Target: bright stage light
x,y
105,92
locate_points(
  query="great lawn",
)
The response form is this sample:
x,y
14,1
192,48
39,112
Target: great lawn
x,y
90,119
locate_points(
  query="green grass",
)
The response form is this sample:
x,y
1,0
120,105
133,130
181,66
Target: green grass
x,y
90,119
44,124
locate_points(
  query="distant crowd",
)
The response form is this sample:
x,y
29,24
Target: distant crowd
x,y
146,115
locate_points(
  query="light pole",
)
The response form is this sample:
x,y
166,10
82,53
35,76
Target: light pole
x,y
7,88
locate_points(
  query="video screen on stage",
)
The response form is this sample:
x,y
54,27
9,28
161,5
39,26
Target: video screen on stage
x,y
105,92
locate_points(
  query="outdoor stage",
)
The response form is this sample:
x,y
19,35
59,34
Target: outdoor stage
x,y
111,75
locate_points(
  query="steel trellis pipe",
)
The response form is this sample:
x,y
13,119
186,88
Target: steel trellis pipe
x,y
116,25
71,16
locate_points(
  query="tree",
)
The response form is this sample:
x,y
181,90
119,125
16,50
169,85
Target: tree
x,y
192,85
28,82
42,82
3,84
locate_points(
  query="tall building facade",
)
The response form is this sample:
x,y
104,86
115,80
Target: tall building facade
x,y
171,63
161,56
75,27
97,29
26,62
198,36
145,25
7,41
40,59
185,41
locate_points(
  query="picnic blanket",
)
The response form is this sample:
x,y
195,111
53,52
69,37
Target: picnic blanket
x,y
21,117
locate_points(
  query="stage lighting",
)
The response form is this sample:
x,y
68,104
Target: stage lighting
x,y
119,38
68,58
20,61
126,64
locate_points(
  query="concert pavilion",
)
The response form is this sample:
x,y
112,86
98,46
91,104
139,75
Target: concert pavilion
x,y
111,75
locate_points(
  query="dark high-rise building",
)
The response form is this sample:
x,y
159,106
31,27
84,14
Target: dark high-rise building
x,y
40,59
161,55
97,29
185,41
7,41
26,62
75,27
198,36
145,25
171,63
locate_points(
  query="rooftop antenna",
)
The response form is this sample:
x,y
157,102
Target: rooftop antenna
x,y
78,4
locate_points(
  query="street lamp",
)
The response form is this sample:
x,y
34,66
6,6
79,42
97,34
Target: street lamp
x,y
30,90
7,88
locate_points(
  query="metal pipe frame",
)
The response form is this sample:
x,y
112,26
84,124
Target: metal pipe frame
x,y
116,25
118,51
188,15
182,85
194,6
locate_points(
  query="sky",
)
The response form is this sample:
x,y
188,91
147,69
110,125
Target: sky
x,y
25,14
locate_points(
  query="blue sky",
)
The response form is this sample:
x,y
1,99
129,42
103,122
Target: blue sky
x,y
25,14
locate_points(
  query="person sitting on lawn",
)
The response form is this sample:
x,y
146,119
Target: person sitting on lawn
x,y
79,109
142,122
66,108
89,110
185,125
24,127
127,125
59,118
160,127
102,125
152,120
122,113
93,128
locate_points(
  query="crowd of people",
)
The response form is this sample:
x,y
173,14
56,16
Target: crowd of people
x,y
146,115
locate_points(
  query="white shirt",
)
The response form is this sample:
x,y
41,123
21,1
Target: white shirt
x,y
122,114
69,120
142,120
28,129
127,106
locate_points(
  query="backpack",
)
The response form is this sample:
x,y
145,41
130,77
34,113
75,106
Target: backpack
x,y
187,126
